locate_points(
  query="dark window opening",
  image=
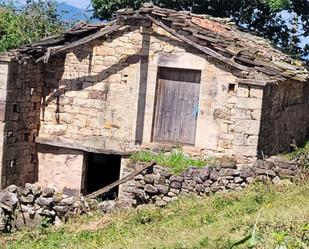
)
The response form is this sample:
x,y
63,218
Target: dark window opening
x,y
231,88
15,108
102,170
26,137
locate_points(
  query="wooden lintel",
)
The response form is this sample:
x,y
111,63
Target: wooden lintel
x,y
64,143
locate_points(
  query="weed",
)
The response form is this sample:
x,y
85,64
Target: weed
x,y
221,201
176,160
146,216
301,154
208,218
204,242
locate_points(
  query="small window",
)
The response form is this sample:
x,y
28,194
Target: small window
x,y
231,88
15,108
26,137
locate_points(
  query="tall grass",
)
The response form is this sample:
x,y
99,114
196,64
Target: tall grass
x,y
217,222
176,160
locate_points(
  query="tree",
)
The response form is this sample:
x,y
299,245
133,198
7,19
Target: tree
x,y
284,22
29,23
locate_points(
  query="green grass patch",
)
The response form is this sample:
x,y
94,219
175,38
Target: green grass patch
x,y
217,221
176,160
301,154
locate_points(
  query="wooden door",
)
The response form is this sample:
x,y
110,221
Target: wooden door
x,y
177,105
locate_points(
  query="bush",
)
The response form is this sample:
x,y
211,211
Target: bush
x,y
37,19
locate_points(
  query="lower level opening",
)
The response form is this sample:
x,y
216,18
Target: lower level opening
x,y
102,170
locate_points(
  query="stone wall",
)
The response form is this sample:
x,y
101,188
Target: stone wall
x,y
97,93
248,108
4,72
159,186
31,205
285,117
104,93
21,104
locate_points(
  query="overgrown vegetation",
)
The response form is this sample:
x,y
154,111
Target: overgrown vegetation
x,y
176,160
300,154
28,23
219,221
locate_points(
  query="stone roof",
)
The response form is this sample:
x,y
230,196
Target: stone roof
x,y
252,56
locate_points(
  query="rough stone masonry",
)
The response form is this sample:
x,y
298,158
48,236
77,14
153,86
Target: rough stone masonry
x,y
29,206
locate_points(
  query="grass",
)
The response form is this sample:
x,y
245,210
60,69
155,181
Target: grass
x,y
176,160
216,222
301,154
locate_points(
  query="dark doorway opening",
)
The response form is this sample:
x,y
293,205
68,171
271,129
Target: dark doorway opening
x,y
102,170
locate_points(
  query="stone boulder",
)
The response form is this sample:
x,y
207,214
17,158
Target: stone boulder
x,y
8,200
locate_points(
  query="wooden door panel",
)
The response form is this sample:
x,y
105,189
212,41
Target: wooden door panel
x,y
177,101
167,109
187,113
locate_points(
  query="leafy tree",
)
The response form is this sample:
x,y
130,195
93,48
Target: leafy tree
x,y
284,22
29,23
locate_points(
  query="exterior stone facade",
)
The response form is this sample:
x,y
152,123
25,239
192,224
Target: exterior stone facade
x,y
21,87
100,97
29,206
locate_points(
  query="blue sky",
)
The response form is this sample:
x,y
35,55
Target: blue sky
x,y
83,4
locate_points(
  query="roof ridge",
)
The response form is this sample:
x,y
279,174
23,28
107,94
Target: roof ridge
x,y
222,41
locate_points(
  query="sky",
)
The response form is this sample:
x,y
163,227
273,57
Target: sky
x,y
82,4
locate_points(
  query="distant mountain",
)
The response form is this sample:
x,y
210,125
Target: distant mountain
x,y
70,14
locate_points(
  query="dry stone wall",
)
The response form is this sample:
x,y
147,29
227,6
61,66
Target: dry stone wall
x,y
32,206
159,186
20,116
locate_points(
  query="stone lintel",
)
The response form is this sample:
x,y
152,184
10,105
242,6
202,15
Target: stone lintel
x,y
65,143
7,58
254,82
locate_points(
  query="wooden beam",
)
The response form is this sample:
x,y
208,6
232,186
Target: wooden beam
x,y
64,143
121,181
105,31
205,50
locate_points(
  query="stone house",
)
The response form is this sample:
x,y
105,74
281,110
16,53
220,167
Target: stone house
x,y
75,106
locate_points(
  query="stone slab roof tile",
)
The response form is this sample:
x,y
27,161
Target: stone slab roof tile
x,y
219,38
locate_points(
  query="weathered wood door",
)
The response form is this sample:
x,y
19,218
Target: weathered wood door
x,y
177,105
